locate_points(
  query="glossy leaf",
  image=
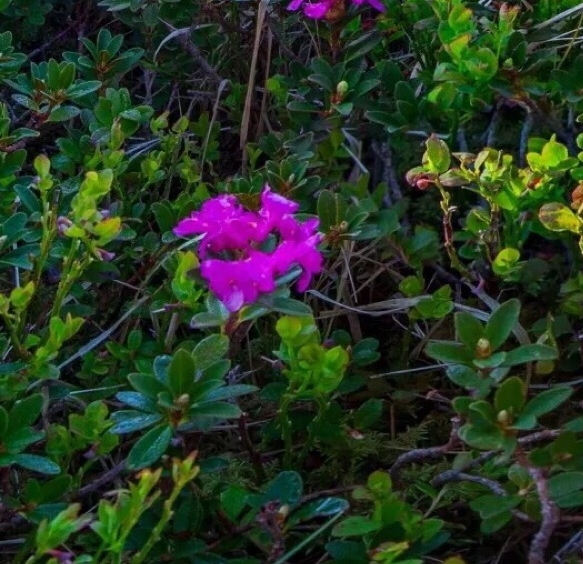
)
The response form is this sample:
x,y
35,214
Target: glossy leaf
x,y
150,447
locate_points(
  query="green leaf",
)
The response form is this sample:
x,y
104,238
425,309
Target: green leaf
x,y
230,392
482,438
530,353
468,329
83,88
30,462
495,523
137,401
380,483
210,350
368,413
502,322
218,409
482,65
160,366
510,396
25,413
128,421
437,155
146,384
490,505
324,507
18,440
464,376
348,552
448,351
181,373
355,526
63,113
150,447
286,488
505,261
289,306
331,210
233,501
558,217
547,401
563,489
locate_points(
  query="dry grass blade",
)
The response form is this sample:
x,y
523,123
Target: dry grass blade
x,y
261,11
565,14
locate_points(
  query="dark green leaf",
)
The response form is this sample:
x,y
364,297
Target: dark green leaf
x,y
546,401
469,330
564,487
181,373
25,412
150,447
325,507
356,526
63,113
510,396
218,409
30,462
230,392
147,384
502,322
210,350
137,401
448,351
286,488
130,421
368,413
530,353
233,500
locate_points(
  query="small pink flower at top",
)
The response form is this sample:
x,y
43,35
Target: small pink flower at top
x,y
319,10
376,4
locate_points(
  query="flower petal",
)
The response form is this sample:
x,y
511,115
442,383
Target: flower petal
x,y
318,10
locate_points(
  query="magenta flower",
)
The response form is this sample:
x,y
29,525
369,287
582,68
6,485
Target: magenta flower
x,y
316,11
239,282
376,4
319,10
225,225
237,271
301,253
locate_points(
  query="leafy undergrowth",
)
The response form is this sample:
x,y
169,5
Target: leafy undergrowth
x,y
291,283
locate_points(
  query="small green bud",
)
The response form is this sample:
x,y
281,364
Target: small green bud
x,y
183,400
342,87
483,349
503,416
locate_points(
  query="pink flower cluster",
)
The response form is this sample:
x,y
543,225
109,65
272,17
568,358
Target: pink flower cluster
x,y
231,230
318,10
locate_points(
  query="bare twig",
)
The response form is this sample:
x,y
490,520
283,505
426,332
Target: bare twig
x,y
183,36
457,476
550,515
538,437
105,478
423,454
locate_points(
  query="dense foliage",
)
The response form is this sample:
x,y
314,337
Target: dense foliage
x,y
291,282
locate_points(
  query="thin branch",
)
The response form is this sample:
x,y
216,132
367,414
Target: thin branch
x,y
423,454
183,36
456,476
550,517
105,478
